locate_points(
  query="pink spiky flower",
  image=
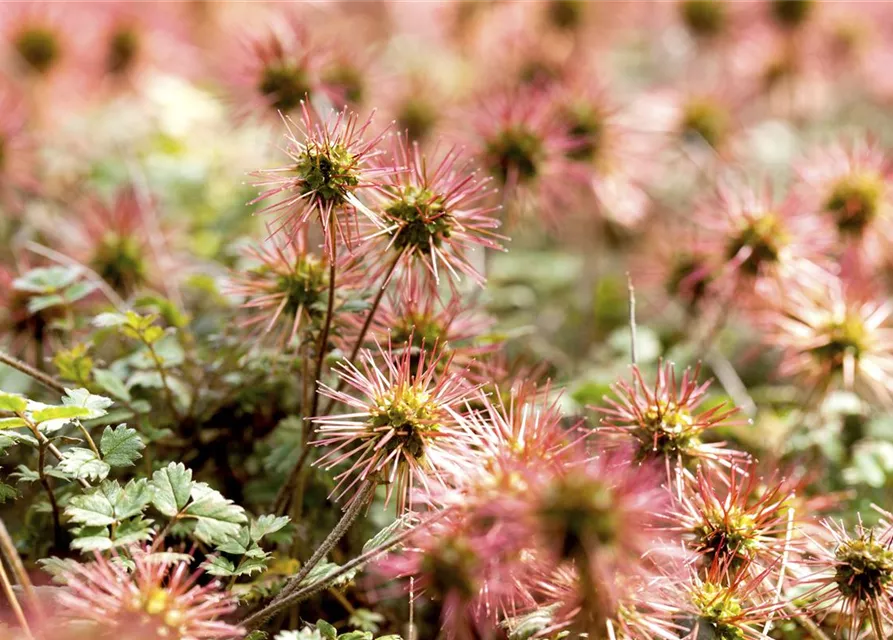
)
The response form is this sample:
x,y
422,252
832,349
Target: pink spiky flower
x,y
855,573
16,150
405,428
286,288
468,568
849,184
763,241
602,515
733,522
434,213
836,330
710,605
525,147
331,162
573,608
159,598
279,70
664,422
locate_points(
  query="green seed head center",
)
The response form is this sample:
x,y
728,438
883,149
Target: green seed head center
x,y
328,172
864,569
422,221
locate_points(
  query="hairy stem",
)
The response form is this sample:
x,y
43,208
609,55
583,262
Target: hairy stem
x,y
257,619
284,496
46,380
347,520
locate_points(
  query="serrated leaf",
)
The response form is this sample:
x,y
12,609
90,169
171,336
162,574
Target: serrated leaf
x,y
121,446
83,463
111,382
171,488
387,534
95,404
92,543
217,519
132,531
355,635
267,524
109,503
58,567
219,566
12,402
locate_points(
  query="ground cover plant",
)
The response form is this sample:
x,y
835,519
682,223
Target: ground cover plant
x,y
461,320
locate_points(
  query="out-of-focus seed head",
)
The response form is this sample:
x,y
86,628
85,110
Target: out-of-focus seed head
x,y
284,84
791,14
704,120
123,50
855,200
514,151
704,18
39,48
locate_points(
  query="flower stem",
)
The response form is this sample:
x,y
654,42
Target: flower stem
x,y
256,620
366,324
877,625
284,496
350,515
46,380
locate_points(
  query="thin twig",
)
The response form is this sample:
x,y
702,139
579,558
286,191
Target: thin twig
x,y
808,625
18,568
46,380
784,563
731,382
14,602
632,318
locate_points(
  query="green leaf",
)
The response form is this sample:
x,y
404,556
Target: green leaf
x,y
58,567
111,382
96,405
326,630
121,446
366,620
39,303
355,635
12,402
171,488
267,524
219,566
7,492
47,279
386,535
104,320
132,531
12,423
217,519
83,463
57,417
80,290
109,504
325,569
